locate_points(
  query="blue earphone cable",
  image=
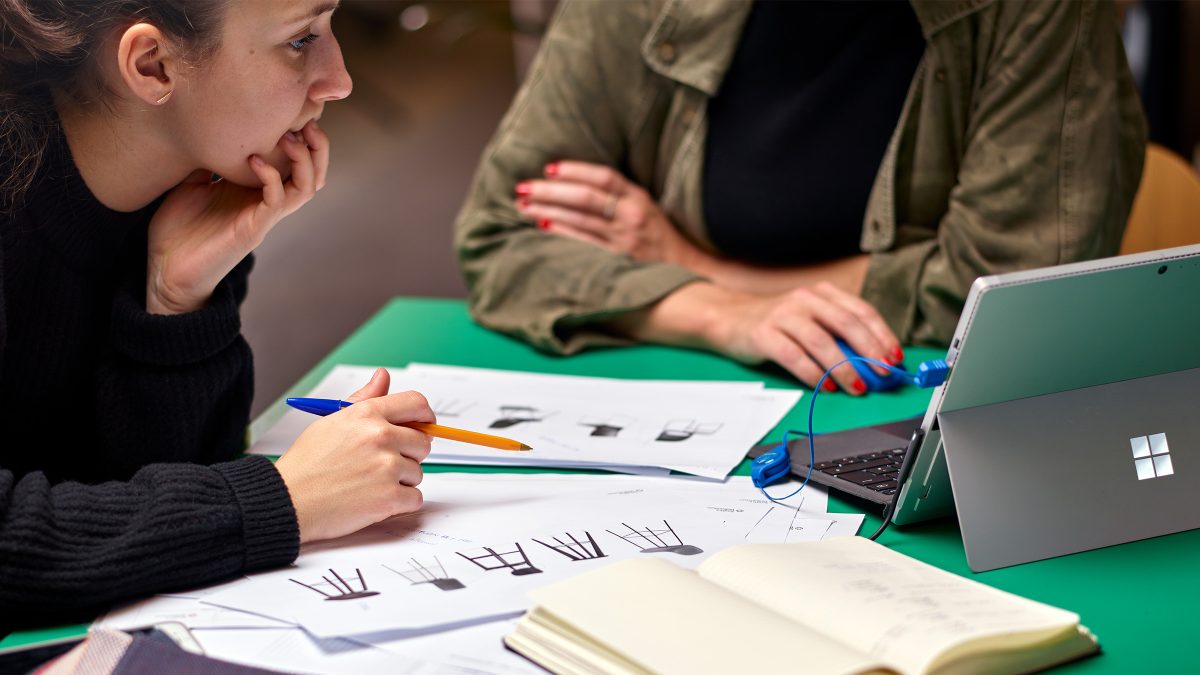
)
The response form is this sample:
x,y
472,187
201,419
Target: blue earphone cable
x,y
929,374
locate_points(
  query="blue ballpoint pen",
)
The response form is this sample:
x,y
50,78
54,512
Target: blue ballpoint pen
x,y
318,406
326,406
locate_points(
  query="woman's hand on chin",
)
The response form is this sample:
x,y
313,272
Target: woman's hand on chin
x,y
203,229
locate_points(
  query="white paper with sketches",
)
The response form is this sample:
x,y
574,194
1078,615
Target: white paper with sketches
x,y
701,428
472,553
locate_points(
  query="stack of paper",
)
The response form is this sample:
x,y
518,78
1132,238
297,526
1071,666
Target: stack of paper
x,y
632,426
435,590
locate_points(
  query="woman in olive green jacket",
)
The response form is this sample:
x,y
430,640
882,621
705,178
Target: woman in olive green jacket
x,y
1019,144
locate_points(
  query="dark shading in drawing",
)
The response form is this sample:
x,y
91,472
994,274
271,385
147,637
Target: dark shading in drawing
x,y
342,587
451,408
681,430
576,550
651,540
418,573
605,430
607,427
493,560
512,415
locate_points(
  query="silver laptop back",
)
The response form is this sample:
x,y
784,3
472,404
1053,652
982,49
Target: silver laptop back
x,y
1071,419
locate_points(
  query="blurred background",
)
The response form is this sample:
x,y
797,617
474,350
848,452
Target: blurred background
x,y
431,82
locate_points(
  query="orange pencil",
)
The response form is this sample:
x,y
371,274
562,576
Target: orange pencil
x,y
450,433
325,406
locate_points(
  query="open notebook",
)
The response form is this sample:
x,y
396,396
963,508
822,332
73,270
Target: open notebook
x,y
845,605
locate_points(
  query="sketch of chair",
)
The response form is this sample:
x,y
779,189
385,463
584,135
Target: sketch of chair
x,y
418,573
683,429
341,586
576,550
606,427
451,408
498,561
512,415
657,540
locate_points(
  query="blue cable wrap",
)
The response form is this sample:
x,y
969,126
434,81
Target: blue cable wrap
x,y
929,374
932,373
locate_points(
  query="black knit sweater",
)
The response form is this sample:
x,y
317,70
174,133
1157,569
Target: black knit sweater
x,y
119,430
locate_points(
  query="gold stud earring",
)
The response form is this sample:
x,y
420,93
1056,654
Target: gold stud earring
x,y
164,98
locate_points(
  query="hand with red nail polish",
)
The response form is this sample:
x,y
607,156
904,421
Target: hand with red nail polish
x,y
798,329
595,204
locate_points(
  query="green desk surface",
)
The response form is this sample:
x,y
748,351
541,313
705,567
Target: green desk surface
x,y
1139,599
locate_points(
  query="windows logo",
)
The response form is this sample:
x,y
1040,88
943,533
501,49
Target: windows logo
x,y
1151,456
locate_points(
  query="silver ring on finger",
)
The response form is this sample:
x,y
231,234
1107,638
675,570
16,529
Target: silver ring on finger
x,y
610,206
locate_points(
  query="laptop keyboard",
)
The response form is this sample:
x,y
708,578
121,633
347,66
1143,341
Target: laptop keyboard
x,y
874,470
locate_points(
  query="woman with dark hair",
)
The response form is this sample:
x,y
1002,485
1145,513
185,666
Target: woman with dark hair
x,y
147,146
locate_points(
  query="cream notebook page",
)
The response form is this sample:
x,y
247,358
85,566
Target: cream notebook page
x,y
919,619
669,620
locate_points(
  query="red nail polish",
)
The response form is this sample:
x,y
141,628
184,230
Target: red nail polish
x,y
523,188
523,202
897,355
888,360
552,169
544,224
859,387
829,386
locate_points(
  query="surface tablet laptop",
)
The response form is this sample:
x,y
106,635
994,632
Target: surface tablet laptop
x,y
1068,421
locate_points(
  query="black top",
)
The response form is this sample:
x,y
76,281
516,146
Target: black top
x,y
93,391
800,124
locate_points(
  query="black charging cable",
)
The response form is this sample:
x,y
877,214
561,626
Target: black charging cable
x,y
910,458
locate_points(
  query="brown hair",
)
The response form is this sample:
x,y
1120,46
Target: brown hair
x,y
46,44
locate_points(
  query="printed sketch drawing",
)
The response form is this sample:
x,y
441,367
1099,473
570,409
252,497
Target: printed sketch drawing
x,y
517,562
683,429
342,589
419,573
606,427
651,540
512,415
576,550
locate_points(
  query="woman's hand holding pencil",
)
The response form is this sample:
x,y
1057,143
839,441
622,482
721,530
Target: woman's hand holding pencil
x,y
348,471
325,406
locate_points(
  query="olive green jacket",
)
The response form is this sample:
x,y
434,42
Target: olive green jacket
x,y
1020,144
